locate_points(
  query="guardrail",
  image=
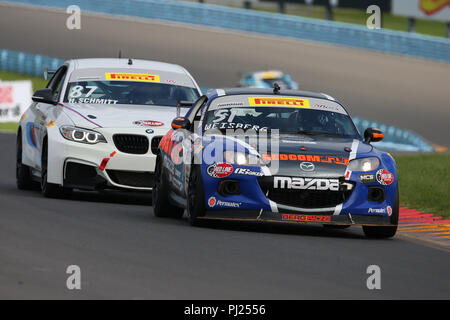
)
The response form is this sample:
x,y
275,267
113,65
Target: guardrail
x,y
395,139
339,33
26,63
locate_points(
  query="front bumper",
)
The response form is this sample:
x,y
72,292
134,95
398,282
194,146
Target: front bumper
x,y
103,165
255,203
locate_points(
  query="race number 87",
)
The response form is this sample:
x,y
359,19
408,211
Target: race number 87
x,y
77,91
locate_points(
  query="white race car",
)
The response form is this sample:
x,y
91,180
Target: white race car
x,y
98,124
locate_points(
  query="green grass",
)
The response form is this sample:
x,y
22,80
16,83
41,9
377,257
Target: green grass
x,y
8,126
38,83
355,16
424,182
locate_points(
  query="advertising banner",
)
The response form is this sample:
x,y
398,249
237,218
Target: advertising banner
x,y
15,98
423,9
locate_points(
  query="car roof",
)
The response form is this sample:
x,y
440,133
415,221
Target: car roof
x,y
267,91
123,62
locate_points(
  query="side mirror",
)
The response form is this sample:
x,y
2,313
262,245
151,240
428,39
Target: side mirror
x,y
43,96
373,135
183,104
181,123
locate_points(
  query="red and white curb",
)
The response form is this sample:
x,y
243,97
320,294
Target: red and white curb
x,y
413,216
424,226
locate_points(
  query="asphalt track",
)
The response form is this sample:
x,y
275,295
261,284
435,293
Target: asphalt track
x,y
408,93
125,252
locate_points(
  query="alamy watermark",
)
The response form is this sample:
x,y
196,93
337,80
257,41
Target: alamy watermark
x,y
374,280
73,22
73,282
374,20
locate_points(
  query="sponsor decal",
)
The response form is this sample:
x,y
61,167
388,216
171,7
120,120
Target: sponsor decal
x,y
299,183
305,218
143,77
220,170
307,166
377,210
279,102
230,104
366,177
50,124
148,123
248,172
384,177
302,157
168,164
430,7
176,183
212,202
389,210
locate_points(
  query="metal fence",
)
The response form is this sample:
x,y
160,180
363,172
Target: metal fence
x,y
383,40
26,63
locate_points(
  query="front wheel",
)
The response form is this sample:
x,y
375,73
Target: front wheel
x,y
23,172
385,232
50,190
160,196
195,196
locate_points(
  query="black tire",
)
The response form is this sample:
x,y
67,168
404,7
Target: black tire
x,y
385,232
50,190
23,172
160,195
195,197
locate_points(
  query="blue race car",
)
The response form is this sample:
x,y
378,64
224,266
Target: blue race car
x,y
274,155
267,79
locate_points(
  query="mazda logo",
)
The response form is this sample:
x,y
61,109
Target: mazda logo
x,y
307,166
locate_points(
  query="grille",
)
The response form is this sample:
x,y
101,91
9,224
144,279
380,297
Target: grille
x,y
155,144
132,178
131,143
304,198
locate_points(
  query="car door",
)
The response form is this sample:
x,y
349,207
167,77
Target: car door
x,y
43,110
191,144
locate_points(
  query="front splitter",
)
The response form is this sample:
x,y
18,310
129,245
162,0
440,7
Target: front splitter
x,y
267,216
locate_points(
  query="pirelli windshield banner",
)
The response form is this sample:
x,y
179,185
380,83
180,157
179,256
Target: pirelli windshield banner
x,y
260,101
122,76
279,102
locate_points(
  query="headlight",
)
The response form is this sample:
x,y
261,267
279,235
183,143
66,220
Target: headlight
x,y
81,135
364,164
242,158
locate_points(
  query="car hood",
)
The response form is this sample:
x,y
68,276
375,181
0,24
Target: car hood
x,y
120,115
329,155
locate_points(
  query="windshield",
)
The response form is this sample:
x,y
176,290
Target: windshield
x,y
296,120
128,92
